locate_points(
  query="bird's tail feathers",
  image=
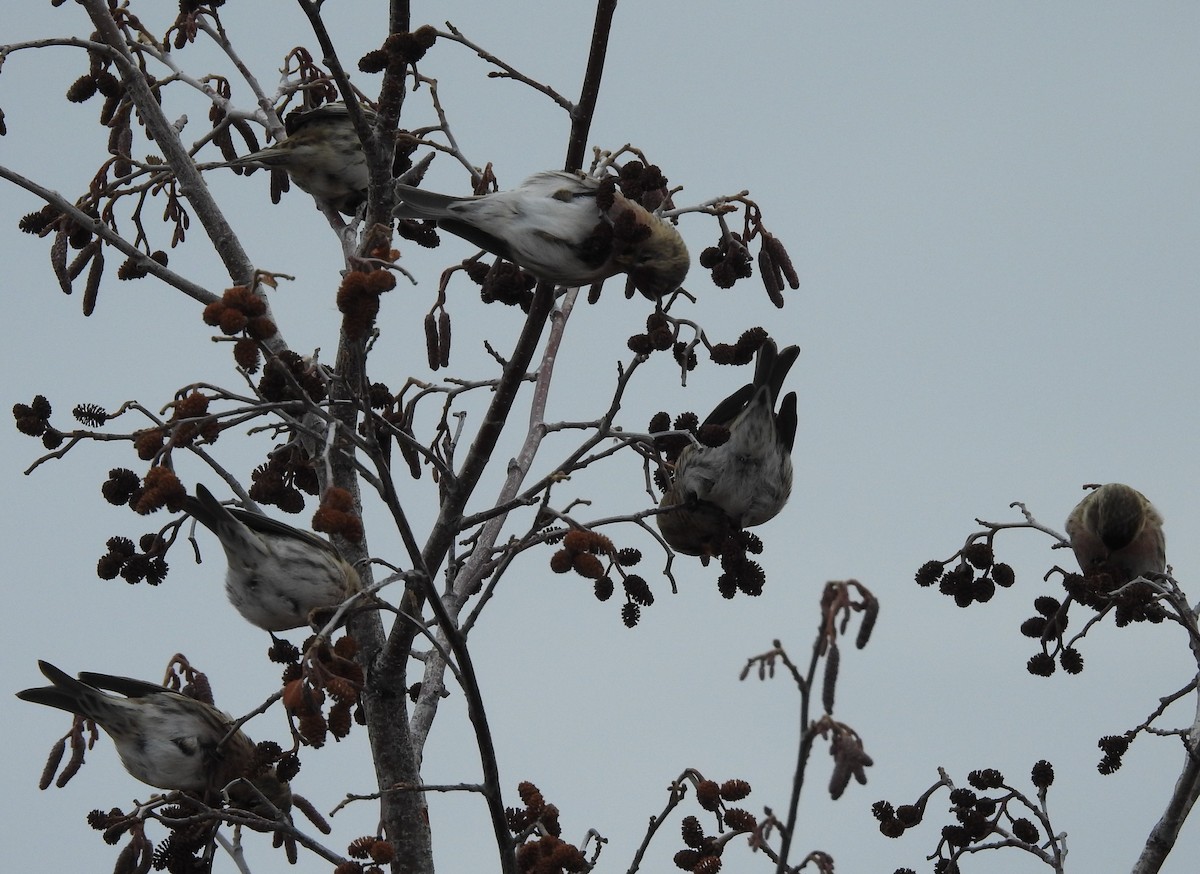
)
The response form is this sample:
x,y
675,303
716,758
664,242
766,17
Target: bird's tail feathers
x,y
764,363
67,693
235,537
204,508
781,363
417,203
51,696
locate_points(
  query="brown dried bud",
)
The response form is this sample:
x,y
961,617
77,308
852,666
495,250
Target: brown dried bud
x,y
577,540
444,338
1071,660
52,763
659,422
261,328
1041,665
246,355
631,614
340,720
295,698
588,566
82,89
640,344
232,321
638,590
740,820
628,556
1042,775
829,684
713,434
929,573
1033,627
531,797
661,339
374,61
120,486
382,852
708,795
979,554
1024,830
735,790
870,615
432,342
1003,575
691,830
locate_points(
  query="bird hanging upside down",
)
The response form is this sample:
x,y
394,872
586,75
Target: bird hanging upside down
x,y
563,228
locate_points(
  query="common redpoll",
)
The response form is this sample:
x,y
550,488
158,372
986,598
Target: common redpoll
x,y
554,226
322,154
278,575
747,479
164,739
1115,529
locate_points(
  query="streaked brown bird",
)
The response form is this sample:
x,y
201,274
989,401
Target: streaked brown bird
x,y
1116,529
164,739
555,226
278,575
321,154
747,479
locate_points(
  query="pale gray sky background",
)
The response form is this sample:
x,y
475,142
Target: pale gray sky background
x,y
994,212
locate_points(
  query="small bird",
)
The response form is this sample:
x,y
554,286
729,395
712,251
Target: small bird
x,y
322,154
278,575
746,480
1116,529
554,226
164,739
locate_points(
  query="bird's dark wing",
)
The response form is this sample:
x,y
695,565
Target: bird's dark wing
x,y
126,686
726,411
477,237
267,525
329,112
786,419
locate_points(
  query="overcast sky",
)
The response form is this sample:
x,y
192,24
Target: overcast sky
x,y
994,210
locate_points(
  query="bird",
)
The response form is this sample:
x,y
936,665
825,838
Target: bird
x,y
563,228
278,575
164,739
1116,529
322,154
716,490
